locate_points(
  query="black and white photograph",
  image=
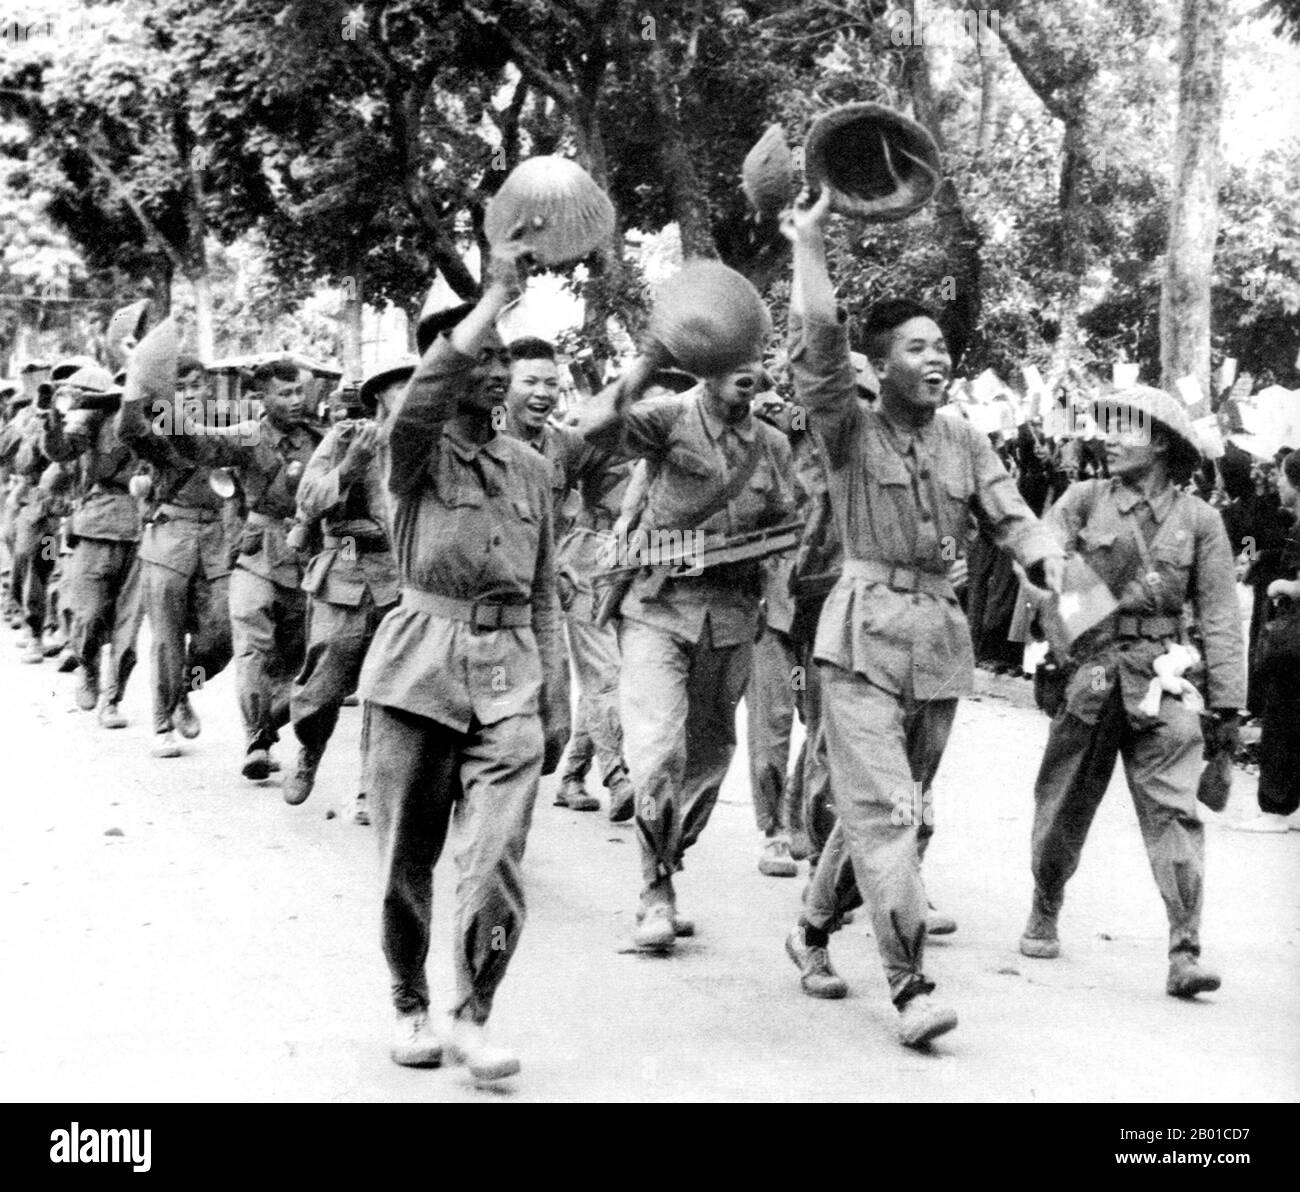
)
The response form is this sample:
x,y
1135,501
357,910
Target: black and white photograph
x,y
650,552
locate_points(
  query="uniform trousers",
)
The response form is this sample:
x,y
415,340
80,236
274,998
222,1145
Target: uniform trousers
x,y
884,750
1162,763
189,619
678,702
269,631
102,592
338,637
423,777
598,727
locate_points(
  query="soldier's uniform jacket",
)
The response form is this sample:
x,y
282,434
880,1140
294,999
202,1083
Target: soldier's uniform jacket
x,y
903,497
1191,559
470,522
690,455
269,491
103,506
191,526
587,486
358,555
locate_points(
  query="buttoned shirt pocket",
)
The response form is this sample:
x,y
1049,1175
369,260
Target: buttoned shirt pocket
x,y
1173,557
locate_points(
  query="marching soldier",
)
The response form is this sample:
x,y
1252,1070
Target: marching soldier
x,y
38,506
687,643
185,564
466,683
892,644
268,609
587,485
352,582
101,583
1155,547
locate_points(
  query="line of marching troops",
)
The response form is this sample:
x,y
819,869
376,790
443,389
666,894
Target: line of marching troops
x,y
434,547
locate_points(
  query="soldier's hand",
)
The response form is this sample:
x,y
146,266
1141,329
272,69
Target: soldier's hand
x,y
806,219
361,450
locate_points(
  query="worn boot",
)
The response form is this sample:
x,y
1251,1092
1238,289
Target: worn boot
x,y
573,795
775,860
414,1043
923,1019
165,745
33,653
110,717
185,721
298,785
1039,937
257,764
1187,978
467,1043
87,693
622,798
813,961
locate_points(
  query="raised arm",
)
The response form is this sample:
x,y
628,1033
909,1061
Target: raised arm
x,y
602,419
431,395
818,332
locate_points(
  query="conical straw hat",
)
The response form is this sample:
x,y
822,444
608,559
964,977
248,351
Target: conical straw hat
x,y
554,205
709,318
767,175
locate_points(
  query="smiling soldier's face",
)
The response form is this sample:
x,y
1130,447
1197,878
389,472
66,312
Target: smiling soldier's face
x,y
534,390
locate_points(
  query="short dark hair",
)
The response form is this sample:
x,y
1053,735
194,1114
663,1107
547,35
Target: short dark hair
x,y
275,370
883,317
188,364
529,347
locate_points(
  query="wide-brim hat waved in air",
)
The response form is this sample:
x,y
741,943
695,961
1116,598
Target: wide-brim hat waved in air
x,y
878,164
1138,406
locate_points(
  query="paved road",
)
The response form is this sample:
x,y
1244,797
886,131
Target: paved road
x,y
221,945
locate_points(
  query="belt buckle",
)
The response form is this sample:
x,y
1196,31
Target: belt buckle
x,y
483,617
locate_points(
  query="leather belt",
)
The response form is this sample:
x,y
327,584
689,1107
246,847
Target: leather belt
x,y
189,513
1135,625
900,579
482,614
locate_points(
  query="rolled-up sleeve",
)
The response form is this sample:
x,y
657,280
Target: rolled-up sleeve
x,y
824,382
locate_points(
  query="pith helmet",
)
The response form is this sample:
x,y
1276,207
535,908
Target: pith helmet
x,y
393,370
553,205
1141,405
709,318
767,175
878,164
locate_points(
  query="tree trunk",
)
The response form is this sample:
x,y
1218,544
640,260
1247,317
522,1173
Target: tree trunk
x,y
205,335
1194,209
354,299
1072,247
961,238
686,198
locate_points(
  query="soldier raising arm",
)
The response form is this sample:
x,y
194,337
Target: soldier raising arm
x,y
892,645
466,683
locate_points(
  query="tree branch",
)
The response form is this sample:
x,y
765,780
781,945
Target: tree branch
x,y
151,229
529,63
